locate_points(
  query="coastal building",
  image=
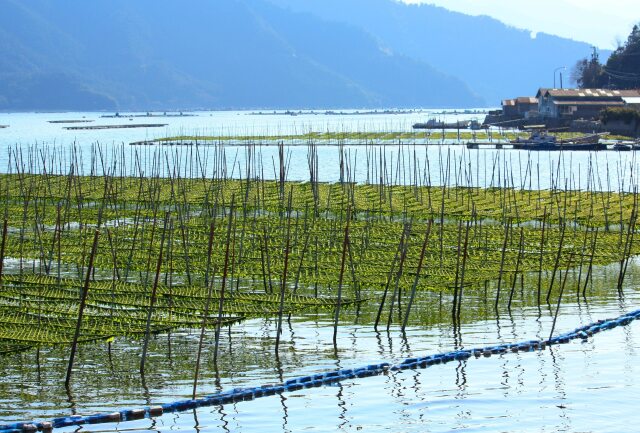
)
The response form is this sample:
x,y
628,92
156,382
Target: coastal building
x,y
519,107
582,103
632,102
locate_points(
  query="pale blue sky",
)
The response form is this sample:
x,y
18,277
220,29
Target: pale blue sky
x,y
602,23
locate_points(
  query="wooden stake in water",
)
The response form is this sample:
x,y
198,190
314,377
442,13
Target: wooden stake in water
x,y
504,252
209,285
283,284
396,293
345,244
626,251
464,264
417,277
544,223
454,308
390,276
2,246
224,279
152,302
83,301
515,274
555,317
590,267
557,262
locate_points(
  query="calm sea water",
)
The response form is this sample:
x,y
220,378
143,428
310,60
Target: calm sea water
x,y
29,128
434,164
578,387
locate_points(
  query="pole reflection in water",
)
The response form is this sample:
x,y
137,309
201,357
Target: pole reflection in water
x,y
546,390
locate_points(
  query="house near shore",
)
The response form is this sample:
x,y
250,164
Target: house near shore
x,y
632,102
520,107
570,104
514,112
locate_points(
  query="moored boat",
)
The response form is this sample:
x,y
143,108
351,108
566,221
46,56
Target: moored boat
x,y
538,140
542,140
621,147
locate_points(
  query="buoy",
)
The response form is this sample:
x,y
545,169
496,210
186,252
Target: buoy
x,y
155,411
68,421
215,400
292,387
133,414
462,355
347,374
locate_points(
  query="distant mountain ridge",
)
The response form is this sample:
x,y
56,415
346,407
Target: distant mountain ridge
x,y
496,61
228,54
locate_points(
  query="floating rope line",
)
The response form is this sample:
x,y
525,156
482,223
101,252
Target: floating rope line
x,y
320,379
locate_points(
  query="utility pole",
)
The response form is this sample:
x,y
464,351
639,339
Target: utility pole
x,y
555,71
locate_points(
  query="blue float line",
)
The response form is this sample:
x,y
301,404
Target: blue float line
x,y
320,379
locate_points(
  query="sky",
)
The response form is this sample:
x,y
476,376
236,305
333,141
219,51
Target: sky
x,y
603,23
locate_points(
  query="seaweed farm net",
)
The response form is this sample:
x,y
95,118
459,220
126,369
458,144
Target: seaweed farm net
x,y
112,257
182,252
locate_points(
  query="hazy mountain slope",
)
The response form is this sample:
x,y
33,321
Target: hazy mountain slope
x,y
164,54
497,61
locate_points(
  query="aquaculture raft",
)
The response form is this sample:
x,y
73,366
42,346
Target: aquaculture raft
x,y
133,125
320,379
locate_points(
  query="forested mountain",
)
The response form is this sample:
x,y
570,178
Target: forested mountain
x,y
496,61
169,54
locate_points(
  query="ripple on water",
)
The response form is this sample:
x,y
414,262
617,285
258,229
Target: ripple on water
x,y
588,386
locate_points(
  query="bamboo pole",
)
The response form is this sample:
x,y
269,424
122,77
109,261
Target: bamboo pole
x,y
83,301
224,280
345,245
147,333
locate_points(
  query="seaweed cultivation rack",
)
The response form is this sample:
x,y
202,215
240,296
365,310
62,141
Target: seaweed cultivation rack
x,y
189,250
98,247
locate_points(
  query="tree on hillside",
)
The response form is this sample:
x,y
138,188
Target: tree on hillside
x,y
622,70
589,73
623,67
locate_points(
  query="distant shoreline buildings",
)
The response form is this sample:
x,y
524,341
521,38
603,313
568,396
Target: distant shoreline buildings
x,y
571,108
